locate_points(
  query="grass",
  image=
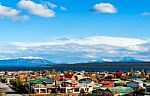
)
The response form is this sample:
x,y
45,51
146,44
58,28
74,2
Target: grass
x,y
49,95
1,94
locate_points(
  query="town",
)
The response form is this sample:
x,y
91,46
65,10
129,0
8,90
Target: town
x,y
75,83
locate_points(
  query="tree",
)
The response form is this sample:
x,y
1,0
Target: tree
x,y
82,91
45,72
143,73
18,86
131,73
53,73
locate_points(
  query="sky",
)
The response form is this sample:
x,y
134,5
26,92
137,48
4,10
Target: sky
x,y
75,30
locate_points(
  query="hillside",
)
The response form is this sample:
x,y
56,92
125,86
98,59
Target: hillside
x,y
25,62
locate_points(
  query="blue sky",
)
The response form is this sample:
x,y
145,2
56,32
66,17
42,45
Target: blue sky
x,y
79,21
72,19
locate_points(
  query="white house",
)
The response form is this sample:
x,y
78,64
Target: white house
x,y
68,86
87,84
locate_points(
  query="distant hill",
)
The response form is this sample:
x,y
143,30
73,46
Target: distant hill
x,y
25,62
125,60
129,59
39,62
105,64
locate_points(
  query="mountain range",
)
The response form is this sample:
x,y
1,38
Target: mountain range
x,y
25,62
33,62
125,59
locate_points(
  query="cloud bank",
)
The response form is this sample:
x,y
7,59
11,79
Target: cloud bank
x,y
80,49
13,14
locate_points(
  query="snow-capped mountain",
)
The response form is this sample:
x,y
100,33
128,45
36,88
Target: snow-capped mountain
x,y
101,60
25,62
125,59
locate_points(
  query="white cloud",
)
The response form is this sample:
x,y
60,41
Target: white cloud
x,y
104,8
145,14
10,13
95,40
63,8
113,41
51,5
21,18
90,56
36,9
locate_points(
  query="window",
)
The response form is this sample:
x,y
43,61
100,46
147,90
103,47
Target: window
x,y
87,89
148,89
43,91
76,89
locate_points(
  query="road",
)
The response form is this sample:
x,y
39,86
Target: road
x,y
13,95
6,89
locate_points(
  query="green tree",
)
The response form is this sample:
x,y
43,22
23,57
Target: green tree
x,y
82,91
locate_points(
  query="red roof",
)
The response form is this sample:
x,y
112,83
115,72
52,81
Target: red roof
x,y
119,73
68,76
107,84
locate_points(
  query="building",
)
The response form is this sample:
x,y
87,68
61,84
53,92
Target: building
x,y
42,86
69,86
86,84
135,84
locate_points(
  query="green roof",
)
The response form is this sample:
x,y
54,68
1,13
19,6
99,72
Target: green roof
x,y
48,80
119,82
41,80
121,89
96,88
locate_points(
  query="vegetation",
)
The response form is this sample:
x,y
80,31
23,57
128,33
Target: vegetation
x,y
1,94
82,91
143,74
18,86
131,73
48,95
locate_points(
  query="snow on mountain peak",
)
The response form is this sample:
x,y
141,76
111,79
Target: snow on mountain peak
x,y
107,60
30,57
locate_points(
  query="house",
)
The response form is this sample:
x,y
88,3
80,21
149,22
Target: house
x,y
2,73
119,74
79,75
68,75
137,73
120,83
118,91
102,75
42,86
69,86
121,91
135,83
86,84
102,92
147,89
